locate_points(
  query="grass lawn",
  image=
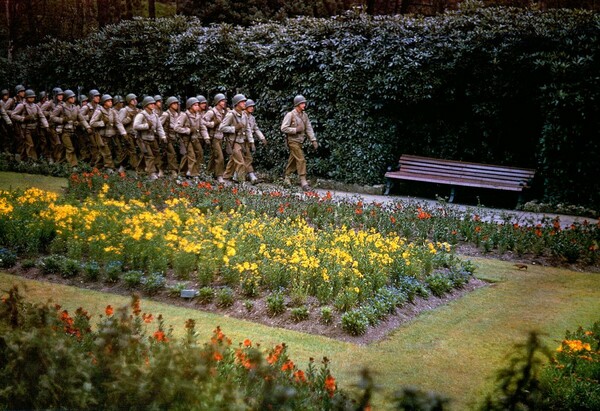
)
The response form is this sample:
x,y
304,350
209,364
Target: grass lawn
x,y
13,181
454,349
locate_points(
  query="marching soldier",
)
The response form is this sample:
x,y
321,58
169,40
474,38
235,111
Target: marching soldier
x,y
251,148
212,119
13,102
67,117
127,115
50,145
82,135
169,121
108,125
158,109
30,116
87,111
296,127
6,125
147,124
235,127
189,126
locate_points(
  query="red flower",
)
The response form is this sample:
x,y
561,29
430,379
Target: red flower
x,y
299,376
217,356
287,366
160,336
147,318
109,311
330,385
247,343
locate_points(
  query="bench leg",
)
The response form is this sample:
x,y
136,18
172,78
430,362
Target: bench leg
x,y
388,186
452,193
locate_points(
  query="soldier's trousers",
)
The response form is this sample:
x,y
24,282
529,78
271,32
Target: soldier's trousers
x,y
236,166
248,159
169,155
67,138
30,136
131,151
296,162
104,144
95,150
216,164
152,156
83,145
194,157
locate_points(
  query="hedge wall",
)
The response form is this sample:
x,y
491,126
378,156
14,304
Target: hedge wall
x,y
498,85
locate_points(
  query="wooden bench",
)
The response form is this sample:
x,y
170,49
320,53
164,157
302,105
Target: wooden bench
x,y
459,173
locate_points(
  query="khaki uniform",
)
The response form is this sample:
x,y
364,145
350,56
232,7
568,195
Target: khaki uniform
x,y
109,132
295,139
66,118
169,120
50,144
6,127
31,118
92,141
212,119
254,131
238,136
150,129
192,130
127,115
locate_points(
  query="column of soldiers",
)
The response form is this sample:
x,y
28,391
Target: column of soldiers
x,y
154,140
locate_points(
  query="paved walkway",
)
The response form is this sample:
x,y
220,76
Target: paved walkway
x,y
486,213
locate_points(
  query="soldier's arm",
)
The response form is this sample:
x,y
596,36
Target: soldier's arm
x,y
287,125
16,113
42,118
119,125
5,116
47,108
83,122
139,123
163,118
182,125
309,130
208,119
227,126
125,119
159,128
56,115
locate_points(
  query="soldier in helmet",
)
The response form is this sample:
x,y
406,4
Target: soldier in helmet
x,y
108,125
237,136
158,108
6,125
189,127
127,115
87,111
50,145
212,119
147,124
31,118
11,103
81,134
118,102
67,117
296,126
251,148
169,121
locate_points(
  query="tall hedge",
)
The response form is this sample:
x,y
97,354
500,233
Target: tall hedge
x,y
496,85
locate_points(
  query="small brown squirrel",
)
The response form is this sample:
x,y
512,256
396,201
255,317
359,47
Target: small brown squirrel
x,y
521,266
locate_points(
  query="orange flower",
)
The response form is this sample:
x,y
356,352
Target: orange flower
x,y
135,305
274,356
422,215
392,219
247,343
299,376
109,310
217,356
477,229
160,336
234,190
147,318
330,385
358,211
287,366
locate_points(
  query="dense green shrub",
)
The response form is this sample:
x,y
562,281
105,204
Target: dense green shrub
x,y
355,322
225,297
498,85
7,258
275,304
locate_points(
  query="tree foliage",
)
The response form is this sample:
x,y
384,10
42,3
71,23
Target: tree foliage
x,y
494,85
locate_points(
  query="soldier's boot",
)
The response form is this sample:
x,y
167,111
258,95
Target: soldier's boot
x,y
287,182
220,180
304,184
153,177
160,174
253,178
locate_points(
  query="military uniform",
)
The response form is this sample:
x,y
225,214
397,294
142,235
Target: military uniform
x,y
169,120
148,125
212,119
6,125
93,140
250,149
106,122
67,117
296,126
50,143
238,136
31,119
190,129
127,115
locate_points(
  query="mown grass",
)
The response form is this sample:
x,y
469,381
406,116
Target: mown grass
x,y
454,349
11,181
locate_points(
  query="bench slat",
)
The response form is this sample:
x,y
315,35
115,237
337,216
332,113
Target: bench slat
x,y
467,175
454,181
469,168
465,165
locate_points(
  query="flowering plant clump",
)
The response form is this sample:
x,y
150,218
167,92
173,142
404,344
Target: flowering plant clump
x,y
572,380
54,359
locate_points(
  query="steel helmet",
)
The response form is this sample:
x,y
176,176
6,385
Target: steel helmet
x,y
105,98
20,87
69,94
157,97
42,95
83,98
190,102
57,90
118,99
218,98
172,100
148,100
93,93
201,99
250,103
130,97
238,98
29,93
299,99
4,92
